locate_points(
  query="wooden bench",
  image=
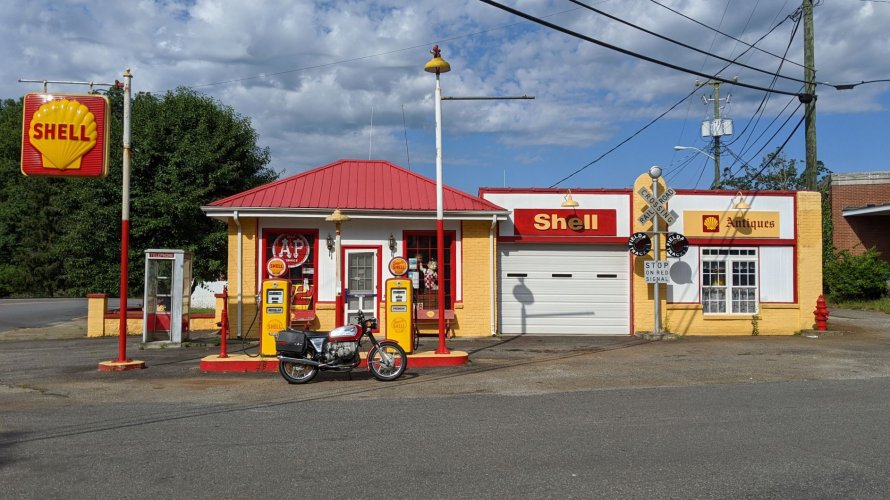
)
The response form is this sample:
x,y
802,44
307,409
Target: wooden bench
x,y
429,318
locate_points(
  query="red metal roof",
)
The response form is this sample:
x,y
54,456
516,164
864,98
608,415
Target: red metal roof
x,y
356,185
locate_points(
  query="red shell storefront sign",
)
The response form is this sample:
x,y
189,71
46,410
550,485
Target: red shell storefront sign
x,y
292,248
65,135
564,222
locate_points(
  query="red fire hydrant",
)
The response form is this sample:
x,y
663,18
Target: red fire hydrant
x,y
821,314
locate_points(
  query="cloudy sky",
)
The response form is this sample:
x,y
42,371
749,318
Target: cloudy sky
x,y
327,80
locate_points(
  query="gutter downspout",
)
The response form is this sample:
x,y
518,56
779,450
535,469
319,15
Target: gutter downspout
x,y
491,265
240,273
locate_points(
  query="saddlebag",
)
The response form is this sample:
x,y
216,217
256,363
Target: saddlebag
x,y
290,340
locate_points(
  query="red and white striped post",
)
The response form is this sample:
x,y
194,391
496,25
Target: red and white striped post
x,y
438,65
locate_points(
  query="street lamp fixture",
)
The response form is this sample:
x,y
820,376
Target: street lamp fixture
x,y
690,148
438,65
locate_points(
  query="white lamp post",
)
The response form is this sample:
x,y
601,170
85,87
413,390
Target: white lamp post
x,y
438,65
338,218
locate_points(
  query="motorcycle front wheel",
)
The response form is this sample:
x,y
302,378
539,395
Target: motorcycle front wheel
x,y
296,373
387,361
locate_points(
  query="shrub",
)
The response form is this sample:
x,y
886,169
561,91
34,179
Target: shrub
x,y
863,276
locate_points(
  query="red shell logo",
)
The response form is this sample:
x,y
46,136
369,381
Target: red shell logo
x,y
292,248
710,223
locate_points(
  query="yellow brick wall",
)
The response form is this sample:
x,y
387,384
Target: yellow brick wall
x,y
248,278
96,306
474,318
809,255
112,326
773,319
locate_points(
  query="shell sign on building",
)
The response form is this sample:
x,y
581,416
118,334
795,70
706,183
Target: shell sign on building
x,y
65,135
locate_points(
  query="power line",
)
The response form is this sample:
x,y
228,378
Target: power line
x,y
659,116
761,108
775,154
681,44
724,34
774,136
600,157
634,54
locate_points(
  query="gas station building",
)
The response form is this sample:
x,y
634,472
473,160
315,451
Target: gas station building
x,y
520,260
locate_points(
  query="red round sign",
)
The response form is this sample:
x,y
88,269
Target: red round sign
x,y
292,248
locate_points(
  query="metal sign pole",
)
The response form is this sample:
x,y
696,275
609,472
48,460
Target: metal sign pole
x,y
655,173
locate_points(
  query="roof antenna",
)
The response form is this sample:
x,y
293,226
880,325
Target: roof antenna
x,y
405,128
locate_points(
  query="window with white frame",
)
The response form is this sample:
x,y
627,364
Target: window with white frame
x,y
729,280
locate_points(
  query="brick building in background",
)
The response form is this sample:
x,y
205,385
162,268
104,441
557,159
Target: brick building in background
x,y
860,212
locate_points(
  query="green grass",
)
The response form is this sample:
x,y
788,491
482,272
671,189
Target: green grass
x,y
881,305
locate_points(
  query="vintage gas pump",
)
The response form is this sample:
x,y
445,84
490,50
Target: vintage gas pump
x,y
274,311
399,309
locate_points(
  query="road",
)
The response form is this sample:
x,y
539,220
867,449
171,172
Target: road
x,y
46,312
573,417
36,313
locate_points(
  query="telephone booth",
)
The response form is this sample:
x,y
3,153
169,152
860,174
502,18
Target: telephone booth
x,y
166,305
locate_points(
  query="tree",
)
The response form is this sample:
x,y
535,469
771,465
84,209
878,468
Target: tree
x,y
188,150
776,172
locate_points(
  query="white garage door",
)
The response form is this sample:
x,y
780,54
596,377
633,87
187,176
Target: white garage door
x,y
564,289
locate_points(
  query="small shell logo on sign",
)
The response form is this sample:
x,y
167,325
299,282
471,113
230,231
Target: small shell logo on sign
x,y
398,266
710,223
276,267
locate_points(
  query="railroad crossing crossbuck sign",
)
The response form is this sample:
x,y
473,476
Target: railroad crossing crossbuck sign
x,y
657,206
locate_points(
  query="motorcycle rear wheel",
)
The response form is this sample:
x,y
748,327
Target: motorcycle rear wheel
x,y
296,373
387,361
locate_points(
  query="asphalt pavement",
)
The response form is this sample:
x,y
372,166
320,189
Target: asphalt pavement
x,y
59,358
528,417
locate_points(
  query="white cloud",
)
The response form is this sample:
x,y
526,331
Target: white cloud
x,y
307,73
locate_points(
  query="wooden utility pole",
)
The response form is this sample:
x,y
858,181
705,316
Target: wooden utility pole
x,y
809,62
717,121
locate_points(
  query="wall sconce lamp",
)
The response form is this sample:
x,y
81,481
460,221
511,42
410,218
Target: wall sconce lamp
x,y
569,202
740,203
392,244
330,243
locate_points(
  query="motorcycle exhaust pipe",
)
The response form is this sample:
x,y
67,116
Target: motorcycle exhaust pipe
x,y
299,361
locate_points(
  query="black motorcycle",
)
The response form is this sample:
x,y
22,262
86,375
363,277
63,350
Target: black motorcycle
x,y
302,353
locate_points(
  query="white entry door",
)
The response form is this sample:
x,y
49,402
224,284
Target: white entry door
x,y
361,283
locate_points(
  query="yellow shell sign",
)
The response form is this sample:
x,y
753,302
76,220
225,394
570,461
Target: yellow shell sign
x,y
65,135
731,224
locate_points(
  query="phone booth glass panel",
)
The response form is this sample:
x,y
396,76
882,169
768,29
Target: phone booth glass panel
x,y
167,300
